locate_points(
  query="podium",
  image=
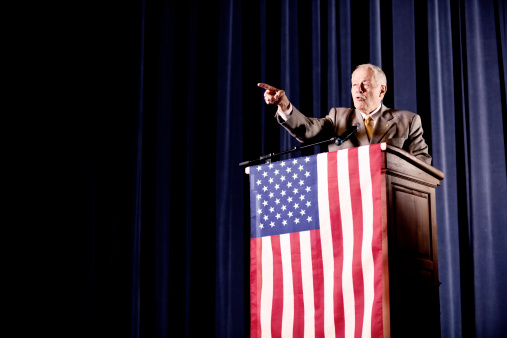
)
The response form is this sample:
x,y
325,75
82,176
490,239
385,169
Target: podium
x,y
407,242
411,296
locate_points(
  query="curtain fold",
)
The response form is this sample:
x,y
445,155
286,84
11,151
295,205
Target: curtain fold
x,y
175,108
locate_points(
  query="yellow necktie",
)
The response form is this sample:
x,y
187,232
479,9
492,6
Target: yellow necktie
x,y
368,123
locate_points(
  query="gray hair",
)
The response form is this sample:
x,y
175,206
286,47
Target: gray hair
x,y
379,74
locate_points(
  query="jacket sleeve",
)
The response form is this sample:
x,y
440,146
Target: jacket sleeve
x,y
307,129
416,144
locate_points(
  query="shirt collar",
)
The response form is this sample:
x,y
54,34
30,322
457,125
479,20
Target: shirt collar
x,y
374,115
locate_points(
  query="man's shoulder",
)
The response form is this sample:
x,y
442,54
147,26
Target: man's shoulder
x,y
397,113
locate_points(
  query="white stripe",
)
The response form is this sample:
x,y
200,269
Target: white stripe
x,y
327,246
348,242
307,274
366,253
288,287
267,287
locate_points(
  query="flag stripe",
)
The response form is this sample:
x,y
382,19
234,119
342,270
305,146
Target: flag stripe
x,y
267,287
307,287
318,282
328,261
348,244
255,286
377,329
288,286
297,262
357,216
277,307
366,254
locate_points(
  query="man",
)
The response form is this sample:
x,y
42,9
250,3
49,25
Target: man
x,y
378,123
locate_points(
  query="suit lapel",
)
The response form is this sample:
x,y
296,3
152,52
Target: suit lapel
x,y
362,137
382,126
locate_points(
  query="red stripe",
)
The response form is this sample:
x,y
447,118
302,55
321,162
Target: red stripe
x,y
318,282
255,286
297,278
337,239
375,167
277,309
357,219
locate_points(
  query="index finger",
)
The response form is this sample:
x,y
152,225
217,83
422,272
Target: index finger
x,y
267,87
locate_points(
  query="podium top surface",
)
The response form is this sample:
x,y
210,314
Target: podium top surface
x,y
409,159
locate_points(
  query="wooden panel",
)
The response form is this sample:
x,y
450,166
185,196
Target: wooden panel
x,y
412,226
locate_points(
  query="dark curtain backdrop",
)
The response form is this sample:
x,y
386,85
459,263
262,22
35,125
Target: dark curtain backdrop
x,y
170,108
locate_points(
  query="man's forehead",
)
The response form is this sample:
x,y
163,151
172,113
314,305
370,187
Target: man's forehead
x,y
363,74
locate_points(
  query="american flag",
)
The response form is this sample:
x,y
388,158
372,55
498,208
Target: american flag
x,y
316,246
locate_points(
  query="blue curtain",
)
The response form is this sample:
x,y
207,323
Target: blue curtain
x,y
171,107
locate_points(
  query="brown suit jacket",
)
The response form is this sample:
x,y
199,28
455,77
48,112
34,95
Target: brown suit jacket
x,y
400,128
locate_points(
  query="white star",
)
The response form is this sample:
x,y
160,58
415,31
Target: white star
x,y
265,188
288,169
259,196
295,161
295,176
301,182
302,197
295,191
271,209
276,172
284,222
272,224
278,216
271,195
309,219
282,164
259,168
277,201
302,212
261,226
282,193
296,205
282,178
308,204
284,207
270,166
265,217
289,214
277,186
289,199
307,174
271,180
264,174
259,211
307,159
289,184
308,189
296,221
265,203
258,182
300,168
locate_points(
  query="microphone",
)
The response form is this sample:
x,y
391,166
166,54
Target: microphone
x,y
347,134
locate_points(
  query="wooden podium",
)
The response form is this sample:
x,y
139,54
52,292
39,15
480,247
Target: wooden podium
x,y
410,296
411,304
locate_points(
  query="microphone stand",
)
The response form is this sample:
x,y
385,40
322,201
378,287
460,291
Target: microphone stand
x,y
337,140
267,158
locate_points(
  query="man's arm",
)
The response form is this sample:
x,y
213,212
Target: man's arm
x,y
418,146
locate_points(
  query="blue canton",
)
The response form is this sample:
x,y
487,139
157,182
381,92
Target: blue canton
x,y
284,197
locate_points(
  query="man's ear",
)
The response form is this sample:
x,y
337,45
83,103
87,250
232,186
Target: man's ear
x,y
383,90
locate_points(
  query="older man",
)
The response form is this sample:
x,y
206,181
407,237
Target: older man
x,y
400,128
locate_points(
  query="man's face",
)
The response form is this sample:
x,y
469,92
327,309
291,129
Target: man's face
x,y
366,92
